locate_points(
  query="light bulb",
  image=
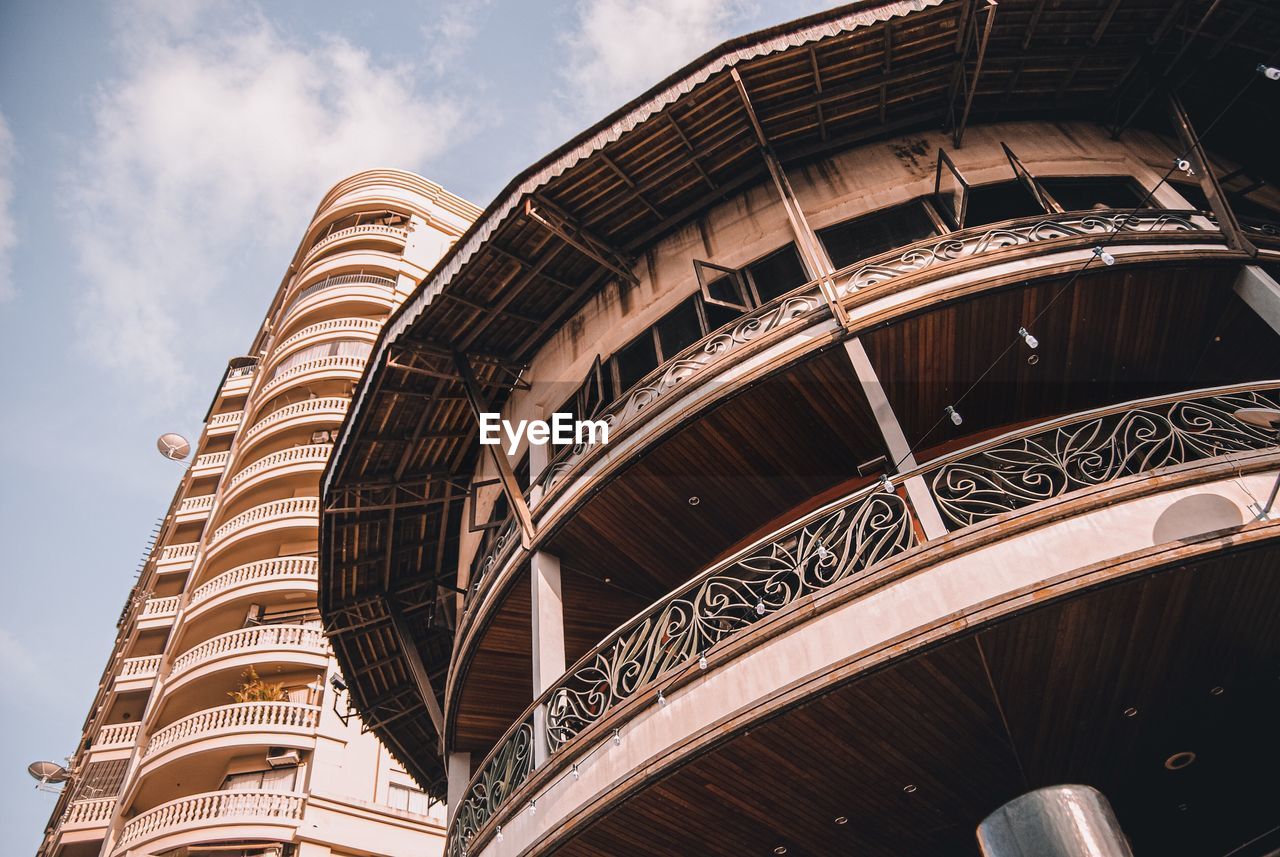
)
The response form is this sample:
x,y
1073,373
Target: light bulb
x,y
662,700
533,807
886,484
1107,258
1270,72
954,415
825,557
617,738
576,772
499,837
1184,165
702,661
1031,341
760,608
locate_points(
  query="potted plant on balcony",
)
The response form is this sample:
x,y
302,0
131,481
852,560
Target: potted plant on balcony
x,y
254,689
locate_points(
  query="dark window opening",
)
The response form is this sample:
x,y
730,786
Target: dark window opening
x,y
636,359
991,203
777,274
1089,193
873,234
679,329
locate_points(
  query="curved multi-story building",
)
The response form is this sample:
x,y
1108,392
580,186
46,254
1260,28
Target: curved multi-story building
x,y
937,346
184,753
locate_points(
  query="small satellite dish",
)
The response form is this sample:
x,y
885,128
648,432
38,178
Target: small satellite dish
x,y
173,446
46,774
1266,418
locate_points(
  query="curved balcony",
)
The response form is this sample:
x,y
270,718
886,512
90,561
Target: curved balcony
x,y
117,735
269,723
301,645
276,515
352,234
194,508
138,673
253,579
312,333
241,815
339,366
285,462
326,409
88,813
1128,464
220,424
159,612
363,287
796,326
209,464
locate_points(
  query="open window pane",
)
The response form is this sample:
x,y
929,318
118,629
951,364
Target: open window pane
x,y
635,360
1089,193
872,234
590,396
778,273
679,329
1029,183
721,286
951,191
991,203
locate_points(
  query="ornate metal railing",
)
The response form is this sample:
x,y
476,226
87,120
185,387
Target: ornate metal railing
x,y
502,773
1018,470
220,807
486,563
805,304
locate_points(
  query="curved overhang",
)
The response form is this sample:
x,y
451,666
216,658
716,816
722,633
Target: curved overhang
x,y
578,218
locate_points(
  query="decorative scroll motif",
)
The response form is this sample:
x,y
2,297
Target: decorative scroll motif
x,y
807,301
483,568
962,245
869,528
506,769
1047,464
1253,225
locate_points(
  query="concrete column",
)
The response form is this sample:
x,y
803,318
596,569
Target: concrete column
x,y
1058,821
539,458
458,773
1261,292
548,639
895,439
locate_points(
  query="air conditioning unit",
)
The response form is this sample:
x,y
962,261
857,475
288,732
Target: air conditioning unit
x,y
278,758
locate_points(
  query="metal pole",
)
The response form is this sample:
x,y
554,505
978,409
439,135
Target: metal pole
x,y
1058,821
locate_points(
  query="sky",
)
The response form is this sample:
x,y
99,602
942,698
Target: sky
x,y
158,163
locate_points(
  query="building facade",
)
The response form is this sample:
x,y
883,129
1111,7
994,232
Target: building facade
x,y
936,340
220,727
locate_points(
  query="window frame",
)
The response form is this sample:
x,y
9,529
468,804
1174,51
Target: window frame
x,y
958,217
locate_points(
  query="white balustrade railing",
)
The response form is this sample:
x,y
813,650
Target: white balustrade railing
x,y
303,638
316,453
352,232
147,665
228,419
200,503
287,508
385,285
91,811
278,568
353,324
116,734
186,550
335,405
210,459
236,717
213,808
335,363
153,607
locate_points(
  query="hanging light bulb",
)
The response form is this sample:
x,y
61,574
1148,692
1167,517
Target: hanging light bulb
x,y
499,837
576,773
533,807
702,660
886,484
760,608
617,737
1270,72
662,699
1107,258
1031,341
1184,165
954,415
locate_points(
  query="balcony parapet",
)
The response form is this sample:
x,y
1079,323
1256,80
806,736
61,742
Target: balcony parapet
x,y
195,508
91,812
382,287
140,671
368,230
279,571
277,511
209,463
219,424
341,366
307,639
159,612
235,718
1003,476
177,558
330,407
256,809
311,454
117,735
354,324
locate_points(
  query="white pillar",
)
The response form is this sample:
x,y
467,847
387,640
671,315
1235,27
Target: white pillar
x,y
1261,292
548,639
895,439
458,773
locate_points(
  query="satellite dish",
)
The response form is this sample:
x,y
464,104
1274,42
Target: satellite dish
x,y
173,446
47,773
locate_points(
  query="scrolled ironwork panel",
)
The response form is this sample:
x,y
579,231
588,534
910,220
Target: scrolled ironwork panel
x,y
505,771
1042,465
871,527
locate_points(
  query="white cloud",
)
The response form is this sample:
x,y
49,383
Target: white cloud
x,y
8,233
449,36
619,48
219,139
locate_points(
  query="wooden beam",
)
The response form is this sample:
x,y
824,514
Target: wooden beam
x,y
990,10
693,152
417,669
513,288
1100,30
1227,221
817,89
1033,24
1158,85
575,235
526,264
631,185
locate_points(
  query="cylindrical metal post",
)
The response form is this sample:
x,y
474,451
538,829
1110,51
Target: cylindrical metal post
x,y
1058,821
